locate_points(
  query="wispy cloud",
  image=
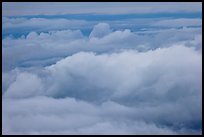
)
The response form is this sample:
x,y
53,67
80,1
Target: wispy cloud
x,y
54,8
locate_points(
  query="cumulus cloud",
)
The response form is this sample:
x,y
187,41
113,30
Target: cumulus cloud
x,y
102,94
100,30
22,84
25,25
44,115
125,75
101,39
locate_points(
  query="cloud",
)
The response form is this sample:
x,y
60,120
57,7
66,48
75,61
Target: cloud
x,y
11,25
100,30
44,115
125,93
64,72
55,8
20,25
43,44
22,51
178,22
22,84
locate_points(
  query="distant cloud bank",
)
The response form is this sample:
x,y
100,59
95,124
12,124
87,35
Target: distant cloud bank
x,y
60,8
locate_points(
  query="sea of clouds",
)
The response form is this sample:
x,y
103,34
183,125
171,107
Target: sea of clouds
x,y
57,80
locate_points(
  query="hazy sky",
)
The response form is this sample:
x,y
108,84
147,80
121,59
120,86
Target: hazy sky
x,y
56,8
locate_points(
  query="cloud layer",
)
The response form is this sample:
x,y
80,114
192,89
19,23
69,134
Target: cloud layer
x,y
151,88
124,76
56,8
18,52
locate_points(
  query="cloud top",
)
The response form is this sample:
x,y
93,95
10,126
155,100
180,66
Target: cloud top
x,y
151,88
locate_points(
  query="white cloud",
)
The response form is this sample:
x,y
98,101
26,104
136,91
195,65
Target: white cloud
x,y
115,80
35,47
114,91
45,115
25,25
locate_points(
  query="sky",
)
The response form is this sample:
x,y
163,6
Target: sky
x,y
60,8
129,68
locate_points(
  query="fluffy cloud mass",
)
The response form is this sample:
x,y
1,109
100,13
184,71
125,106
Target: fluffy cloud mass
x,y
111,80
102,94
22,51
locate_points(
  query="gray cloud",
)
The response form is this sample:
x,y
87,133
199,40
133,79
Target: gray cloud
x,y
55,8
11,25
178,22
100,30
45,115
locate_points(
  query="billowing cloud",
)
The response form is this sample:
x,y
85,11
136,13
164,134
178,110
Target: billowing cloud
x,y
106,92
101,39
100,30
81,74
22,85
44,115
